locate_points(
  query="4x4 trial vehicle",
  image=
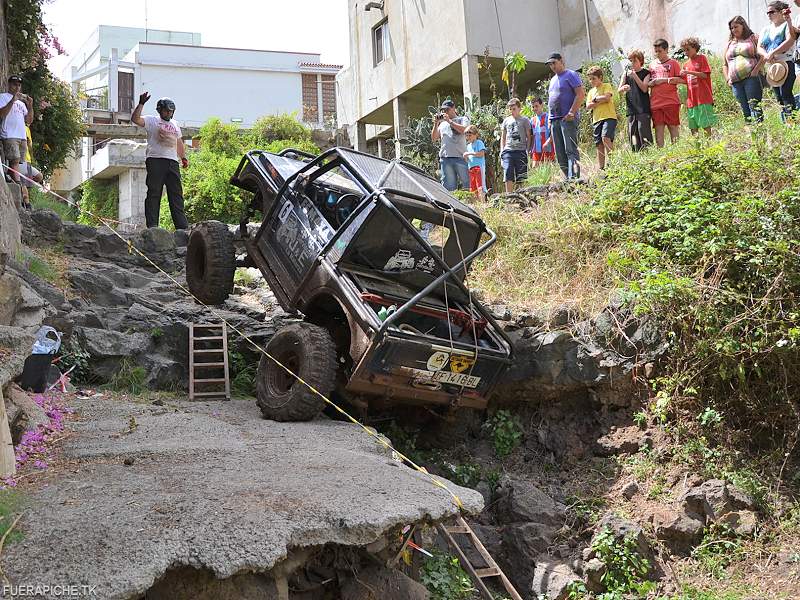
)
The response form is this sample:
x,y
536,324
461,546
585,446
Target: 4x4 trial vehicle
x,y
372,254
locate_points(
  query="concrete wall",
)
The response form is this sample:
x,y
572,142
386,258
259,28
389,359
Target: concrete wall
x,y
96,50
512,26
222,82
425,36
132,191
637,23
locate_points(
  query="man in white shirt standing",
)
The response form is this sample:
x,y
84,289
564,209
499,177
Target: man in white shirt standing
x,y
164,149
16,111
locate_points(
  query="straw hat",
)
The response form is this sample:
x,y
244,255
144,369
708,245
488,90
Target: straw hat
x,y
777,73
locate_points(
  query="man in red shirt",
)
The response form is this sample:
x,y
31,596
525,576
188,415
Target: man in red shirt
x,y
700,99
665,105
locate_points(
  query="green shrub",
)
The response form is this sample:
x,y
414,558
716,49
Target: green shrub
x,y
58,124
506,432
222,138
625,571
165,216
273,128
703,236
74,355
466,474
444,578
206,183
101,198
207,188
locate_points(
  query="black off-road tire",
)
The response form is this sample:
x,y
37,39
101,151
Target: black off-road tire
x,y
210,262
310,352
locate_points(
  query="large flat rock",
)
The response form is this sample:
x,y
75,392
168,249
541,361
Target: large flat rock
x,y
211,485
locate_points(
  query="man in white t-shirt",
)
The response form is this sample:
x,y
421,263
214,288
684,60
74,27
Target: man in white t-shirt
x,y
16,111
164,149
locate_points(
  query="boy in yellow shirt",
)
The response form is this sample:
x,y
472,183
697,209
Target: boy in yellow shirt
x,y
600,100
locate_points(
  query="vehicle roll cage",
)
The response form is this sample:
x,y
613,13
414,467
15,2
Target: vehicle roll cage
x,y
377,193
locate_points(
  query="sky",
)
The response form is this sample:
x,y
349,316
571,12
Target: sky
x,y
291,25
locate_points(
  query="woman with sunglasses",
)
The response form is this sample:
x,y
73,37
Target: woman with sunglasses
x,y
742,66
776,42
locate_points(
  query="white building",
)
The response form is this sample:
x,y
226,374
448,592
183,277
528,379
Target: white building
x,y
235,85
402,54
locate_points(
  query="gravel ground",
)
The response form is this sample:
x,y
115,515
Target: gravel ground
x,y
208,485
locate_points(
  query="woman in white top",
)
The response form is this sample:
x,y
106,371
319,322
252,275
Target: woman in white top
x,y
776,43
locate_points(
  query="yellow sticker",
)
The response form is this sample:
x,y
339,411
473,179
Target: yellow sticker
x,y
459,364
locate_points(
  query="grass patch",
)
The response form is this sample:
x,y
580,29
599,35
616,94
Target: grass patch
x,y
543,258
48,264
129,378
11,504
43,201
243,374
543,174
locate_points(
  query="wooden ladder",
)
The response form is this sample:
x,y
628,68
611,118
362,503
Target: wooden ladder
x,y
490,569
212,355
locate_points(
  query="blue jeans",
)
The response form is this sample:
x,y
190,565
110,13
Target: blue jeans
x,y
565,139
454,173
749,93
784,94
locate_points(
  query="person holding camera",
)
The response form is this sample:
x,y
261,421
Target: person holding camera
x,y
449,128
164,148
16,111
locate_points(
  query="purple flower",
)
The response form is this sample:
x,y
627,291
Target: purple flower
x,y
40,464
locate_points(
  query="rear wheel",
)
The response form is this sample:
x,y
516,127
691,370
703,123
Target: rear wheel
x,y
210,262
308,351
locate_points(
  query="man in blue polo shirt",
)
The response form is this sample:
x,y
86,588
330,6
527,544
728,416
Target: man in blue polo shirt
x,y
565,95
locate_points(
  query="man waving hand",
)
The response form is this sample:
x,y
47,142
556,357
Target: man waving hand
x,y
164,149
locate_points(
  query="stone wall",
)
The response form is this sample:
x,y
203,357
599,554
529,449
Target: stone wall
x,y
9,225
3,46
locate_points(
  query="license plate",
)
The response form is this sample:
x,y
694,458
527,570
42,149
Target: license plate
x,y
469,381
463,379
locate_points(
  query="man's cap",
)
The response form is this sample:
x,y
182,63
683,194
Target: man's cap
x,y
448,104
553,58
15,78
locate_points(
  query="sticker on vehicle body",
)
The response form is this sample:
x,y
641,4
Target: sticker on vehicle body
x,y
437,361
426,264
286,210
459,364
401,261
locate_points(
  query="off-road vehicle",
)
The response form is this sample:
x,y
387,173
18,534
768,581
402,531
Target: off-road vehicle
x,y
373,254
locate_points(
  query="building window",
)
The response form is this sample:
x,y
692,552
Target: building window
x,y
380,42
310,98
329,99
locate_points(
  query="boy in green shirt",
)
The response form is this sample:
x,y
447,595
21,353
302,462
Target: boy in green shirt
x,y
600,100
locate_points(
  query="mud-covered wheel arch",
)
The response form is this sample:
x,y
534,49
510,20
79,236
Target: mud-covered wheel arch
x,y
210,262
308,351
